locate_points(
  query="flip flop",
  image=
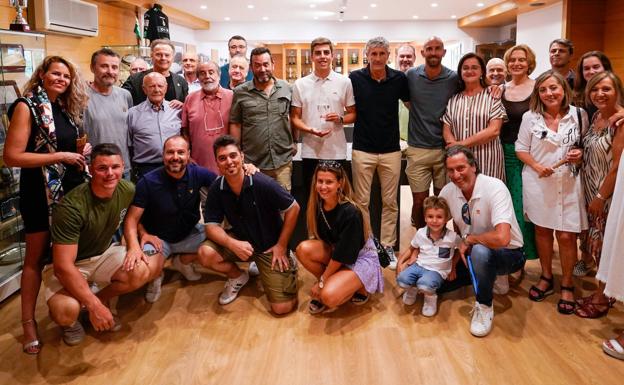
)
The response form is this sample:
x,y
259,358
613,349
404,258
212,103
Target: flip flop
x,y
613,348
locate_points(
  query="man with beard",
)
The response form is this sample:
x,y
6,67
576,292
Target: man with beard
x,y
206,115
189,71
149,125
406,56
238,70
170,192
106,115
560,53
322,131
162,57
259,119
495,72
431,86
237,45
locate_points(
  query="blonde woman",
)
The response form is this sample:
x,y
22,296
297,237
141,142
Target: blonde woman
x,y
45,138
341,253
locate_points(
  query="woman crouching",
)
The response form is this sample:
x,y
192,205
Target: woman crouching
x,y
341,254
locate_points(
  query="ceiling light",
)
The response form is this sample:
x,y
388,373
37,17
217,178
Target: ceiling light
x,y
315,17
433,5
415,17
365,17
480,5
265,18
203,6
227,18
312,5
373,5
250,6
453,17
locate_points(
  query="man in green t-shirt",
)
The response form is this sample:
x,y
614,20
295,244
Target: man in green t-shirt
x,y
83,225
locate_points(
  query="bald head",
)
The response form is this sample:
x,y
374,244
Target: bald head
x,y
189,64
495,71
433,51
155,87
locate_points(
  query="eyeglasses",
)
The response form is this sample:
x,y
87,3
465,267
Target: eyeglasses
x,y
213,130
465,212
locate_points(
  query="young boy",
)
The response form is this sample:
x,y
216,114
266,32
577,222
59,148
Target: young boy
x,y
431,257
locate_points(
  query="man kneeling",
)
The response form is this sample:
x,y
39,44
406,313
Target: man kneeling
x,y
83,225
253,206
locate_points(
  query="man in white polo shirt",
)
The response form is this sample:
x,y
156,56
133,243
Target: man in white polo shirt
x,y
321,103
482,211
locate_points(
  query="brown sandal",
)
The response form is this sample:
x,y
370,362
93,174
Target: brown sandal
x,y
589,309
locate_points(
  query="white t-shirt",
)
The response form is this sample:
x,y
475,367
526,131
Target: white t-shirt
x,y
489,205
436,255
308,93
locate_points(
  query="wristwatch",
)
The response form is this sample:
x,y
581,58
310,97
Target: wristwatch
x,y
321,282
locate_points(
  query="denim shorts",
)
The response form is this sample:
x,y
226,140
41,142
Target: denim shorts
x,y
424,279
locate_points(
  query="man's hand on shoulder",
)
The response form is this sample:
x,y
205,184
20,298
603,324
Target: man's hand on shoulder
x,y
176,104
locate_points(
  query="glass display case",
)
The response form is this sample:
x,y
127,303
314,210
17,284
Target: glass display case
x,y
128,54
20,54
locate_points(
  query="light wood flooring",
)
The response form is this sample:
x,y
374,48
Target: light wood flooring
x,y
188,338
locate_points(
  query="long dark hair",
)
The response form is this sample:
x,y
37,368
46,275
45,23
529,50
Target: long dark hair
x,y
469,55
579,81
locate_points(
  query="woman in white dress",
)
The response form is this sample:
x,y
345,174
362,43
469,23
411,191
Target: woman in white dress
x,y
549,146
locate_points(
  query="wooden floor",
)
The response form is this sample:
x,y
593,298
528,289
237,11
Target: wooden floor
x,y
188,338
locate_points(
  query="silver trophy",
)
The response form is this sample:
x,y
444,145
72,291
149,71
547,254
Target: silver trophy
x,y
19,24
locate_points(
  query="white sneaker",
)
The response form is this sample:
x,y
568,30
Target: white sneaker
x,y
187,270
501,285
154,289
74,334
232,287
409,296
482,317
430,305
393,258
253,269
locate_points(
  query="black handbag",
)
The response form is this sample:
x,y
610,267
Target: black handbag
x,y
384,258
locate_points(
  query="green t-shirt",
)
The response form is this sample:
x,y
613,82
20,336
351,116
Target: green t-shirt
x,y
82,218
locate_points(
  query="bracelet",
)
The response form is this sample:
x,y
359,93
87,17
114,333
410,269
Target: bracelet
x,y
599,196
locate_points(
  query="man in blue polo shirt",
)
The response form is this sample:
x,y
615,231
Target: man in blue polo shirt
x,y
377,89
254,206
164,215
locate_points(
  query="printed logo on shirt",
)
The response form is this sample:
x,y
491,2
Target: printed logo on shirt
x,y
122,215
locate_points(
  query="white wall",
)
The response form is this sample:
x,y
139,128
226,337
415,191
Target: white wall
x,y
182,34
348,31
537,29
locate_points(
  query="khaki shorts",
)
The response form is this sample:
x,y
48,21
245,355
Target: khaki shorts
x,y
282,175
423,165
278,286
98,269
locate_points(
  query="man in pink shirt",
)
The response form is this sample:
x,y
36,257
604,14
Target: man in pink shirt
x,y
205,115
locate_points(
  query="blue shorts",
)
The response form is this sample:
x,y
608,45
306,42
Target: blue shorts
x,y
188,245
425,280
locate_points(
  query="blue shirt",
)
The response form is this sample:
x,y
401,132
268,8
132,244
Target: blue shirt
x,y
171,206
225,76
255,214
149,127
428,100
377,110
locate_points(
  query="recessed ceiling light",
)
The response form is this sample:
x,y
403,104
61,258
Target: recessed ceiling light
x,y
315,17
434,5
373,5
227,18
365,17
265,18
453,17
250,6
312,5
415,17
203,6
480,5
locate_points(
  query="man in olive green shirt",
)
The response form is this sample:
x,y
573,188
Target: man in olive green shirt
x,y
259,119
83,224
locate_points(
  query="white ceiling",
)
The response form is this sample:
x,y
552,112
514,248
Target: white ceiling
x,y
327,10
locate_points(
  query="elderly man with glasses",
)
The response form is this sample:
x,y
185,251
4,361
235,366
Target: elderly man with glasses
x,y
492,242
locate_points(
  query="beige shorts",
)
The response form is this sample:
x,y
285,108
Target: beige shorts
x,y
279,286
282,175
423,166
98,269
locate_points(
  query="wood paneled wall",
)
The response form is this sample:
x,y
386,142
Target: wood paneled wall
x,y
614,34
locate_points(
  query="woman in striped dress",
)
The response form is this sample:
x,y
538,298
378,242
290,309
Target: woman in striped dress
x,y
603,146
474,118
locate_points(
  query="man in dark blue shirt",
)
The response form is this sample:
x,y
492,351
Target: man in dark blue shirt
x,y
164,215
377,89
253,206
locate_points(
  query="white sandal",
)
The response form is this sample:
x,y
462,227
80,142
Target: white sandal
x,y
613,348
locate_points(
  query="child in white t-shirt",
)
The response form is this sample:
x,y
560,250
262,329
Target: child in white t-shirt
x,y
431,257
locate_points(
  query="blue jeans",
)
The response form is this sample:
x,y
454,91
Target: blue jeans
x,y
425,280
488,263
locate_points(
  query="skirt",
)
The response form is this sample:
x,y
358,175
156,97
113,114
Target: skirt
x,y
368,269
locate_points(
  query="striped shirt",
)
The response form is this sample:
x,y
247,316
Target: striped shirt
x,y
467,115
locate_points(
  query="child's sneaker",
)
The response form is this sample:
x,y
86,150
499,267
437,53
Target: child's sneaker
x,y
430,305
409,296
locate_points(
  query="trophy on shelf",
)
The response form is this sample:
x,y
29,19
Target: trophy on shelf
x,y
19,24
